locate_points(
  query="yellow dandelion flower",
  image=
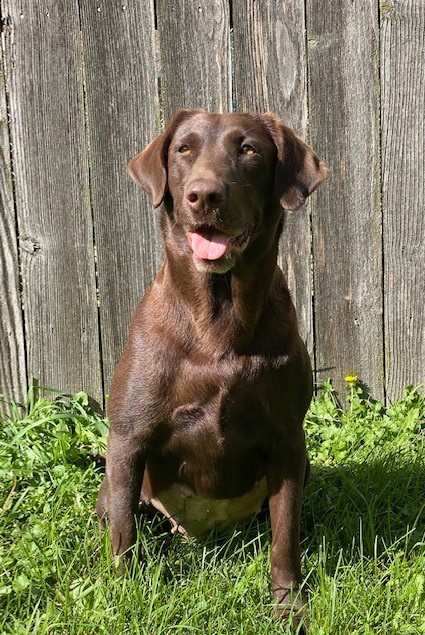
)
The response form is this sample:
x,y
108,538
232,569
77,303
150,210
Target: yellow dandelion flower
x,y
351,379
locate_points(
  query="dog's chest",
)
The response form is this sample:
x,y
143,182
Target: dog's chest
x,y
220,427
216,471
217,430
222,406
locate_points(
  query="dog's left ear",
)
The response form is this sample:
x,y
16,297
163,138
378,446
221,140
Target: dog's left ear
x,y
149,168
299,171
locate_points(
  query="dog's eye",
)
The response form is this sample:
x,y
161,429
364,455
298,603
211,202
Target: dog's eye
x,y
247,149
185,150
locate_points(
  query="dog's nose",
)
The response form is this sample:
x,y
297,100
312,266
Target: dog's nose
x,y
205,194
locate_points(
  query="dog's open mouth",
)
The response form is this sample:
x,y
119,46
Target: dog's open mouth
x,y
208,243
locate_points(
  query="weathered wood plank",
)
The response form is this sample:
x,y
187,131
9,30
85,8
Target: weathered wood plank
x,y
195,55
43,73
344,116
403,181
13,380
270,59
122,106
270,75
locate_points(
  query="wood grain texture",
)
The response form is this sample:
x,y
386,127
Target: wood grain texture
x,y
195,55
122,111
344,115
270,59
13,380
403,189
50,165
81,87
270,75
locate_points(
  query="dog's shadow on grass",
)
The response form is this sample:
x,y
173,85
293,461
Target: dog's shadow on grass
x,y
365,506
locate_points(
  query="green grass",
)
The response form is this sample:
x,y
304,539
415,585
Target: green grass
x,y
363,533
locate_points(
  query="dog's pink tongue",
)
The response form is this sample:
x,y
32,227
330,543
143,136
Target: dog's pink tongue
x,y
208,244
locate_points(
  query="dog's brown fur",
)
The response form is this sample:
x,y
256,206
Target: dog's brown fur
x,y
207,402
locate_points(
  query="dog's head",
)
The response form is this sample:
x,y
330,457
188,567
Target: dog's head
x,y
225,180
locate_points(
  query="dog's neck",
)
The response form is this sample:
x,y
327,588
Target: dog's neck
x,y
225,308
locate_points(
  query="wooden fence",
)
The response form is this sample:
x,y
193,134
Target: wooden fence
x,y
87,83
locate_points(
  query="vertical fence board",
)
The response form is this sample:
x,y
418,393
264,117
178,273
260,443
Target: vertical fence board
x,y
50,168
344,116
13,380
195,55
269,58
270,75
403,181
119,52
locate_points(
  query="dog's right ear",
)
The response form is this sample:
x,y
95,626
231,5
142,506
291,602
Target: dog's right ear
x,y
149,168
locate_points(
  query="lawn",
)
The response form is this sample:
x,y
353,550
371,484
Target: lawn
x,y
363,533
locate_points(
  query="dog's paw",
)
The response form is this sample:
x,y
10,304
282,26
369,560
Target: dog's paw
x,y
291,607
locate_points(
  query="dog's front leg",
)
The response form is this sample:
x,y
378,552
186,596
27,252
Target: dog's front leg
x,y
286,472
124,474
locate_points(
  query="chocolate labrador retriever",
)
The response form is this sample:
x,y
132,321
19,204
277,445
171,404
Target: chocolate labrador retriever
x,y
207,402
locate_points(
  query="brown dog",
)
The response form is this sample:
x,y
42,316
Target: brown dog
x,y
207,402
